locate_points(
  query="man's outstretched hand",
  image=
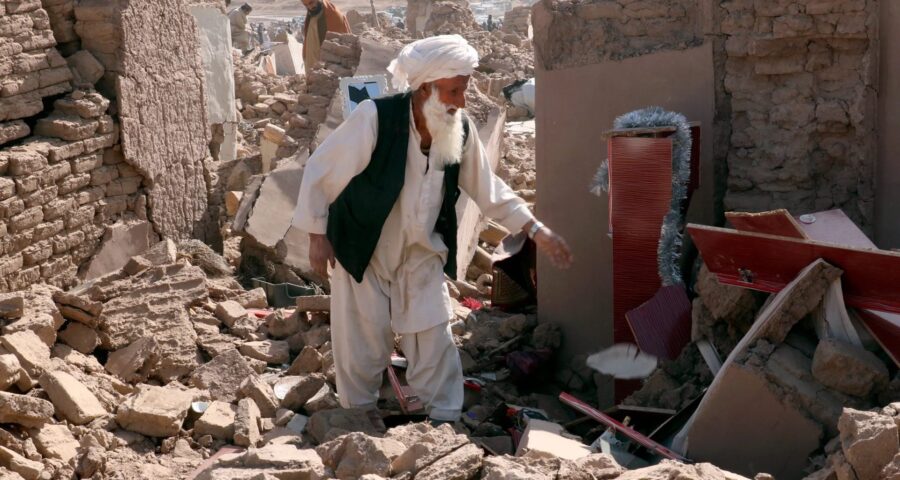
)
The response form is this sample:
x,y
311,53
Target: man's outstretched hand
x,y
554,247
321,254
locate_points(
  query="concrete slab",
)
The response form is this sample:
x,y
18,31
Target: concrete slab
x,y
120,242
215,48
274,208
288,57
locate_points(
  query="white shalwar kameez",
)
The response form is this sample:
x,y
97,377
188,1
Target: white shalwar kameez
x,y
403,290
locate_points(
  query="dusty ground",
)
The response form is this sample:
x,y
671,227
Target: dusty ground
x,y
292,8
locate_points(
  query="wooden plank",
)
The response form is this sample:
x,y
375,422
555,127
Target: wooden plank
x,y
640,172
662,325
833,226
776,222
885,327
768,263
831,319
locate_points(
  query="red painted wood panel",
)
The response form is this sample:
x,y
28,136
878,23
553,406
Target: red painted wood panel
x,y
871,278
777,222
640,178
662,325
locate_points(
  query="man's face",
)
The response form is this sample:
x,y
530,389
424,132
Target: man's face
x,y
312,5
451,92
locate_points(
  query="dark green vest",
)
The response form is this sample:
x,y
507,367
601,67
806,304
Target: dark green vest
x,y
356,217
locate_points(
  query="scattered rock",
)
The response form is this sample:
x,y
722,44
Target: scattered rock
x,y
270,351
217,421
229,312
357,454
869,441
324,399
223,375
303,391
262,395
347,419
847,368
155,411
71,398
24,410
134,362
309,361
246,423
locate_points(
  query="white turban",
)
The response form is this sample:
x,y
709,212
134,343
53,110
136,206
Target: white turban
x,y
430,59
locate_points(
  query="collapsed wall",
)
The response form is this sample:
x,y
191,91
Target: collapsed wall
x,y
153,66
802,79
133,149
62,184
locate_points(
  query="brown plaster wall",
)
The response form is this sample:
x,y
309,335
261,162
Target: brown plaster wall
x,y
887,188
802,78
155,71
577,105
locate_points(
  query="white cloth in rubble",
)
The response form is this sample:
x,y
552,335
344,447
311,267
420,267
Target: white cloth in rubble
x,y
430,59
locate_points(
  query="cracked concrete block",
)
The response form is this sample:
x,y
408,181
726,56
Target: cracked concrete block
x,y
24,410
217,421
847,368
56,441
155,411
71,398
869,441
357,454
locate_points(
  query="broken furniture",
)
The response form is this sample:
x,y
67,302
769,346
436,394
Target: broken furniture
x,y
641,189
642,440
777,383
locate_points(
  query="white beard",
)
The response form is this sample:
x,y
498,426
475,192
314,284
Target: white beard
x,y
446,130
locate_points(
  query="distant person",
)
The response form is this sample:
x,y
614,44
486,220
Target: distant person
x,y
322,17
240,36
490,23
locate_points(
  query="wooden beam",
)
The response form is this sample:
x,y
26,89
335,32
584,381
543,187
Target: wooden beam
x,y
768,263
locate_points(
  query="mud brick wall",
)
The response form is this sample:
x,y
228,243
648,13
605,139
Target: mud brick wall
x,y
517,20
58,191
802,79
30,66
151,54
588,32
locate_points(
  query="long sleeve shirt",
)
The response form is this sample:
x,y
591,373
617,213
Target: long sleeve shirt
x,y
409,249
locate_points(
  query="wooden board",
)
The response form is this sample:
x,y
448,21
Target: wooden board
x,y
640,173
777,222
885,327
741,424
768,263
833,226
662,325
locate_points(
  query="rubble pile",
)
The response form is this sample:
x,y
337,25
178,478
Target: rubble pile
x,y
287,110
517,20
866,446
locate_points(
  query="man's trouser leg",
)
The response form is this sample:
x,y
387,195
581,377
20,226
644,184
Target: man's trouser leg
x,y
435,371
361,337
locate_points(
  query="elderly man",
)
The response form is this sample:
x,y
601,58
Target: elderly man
x,y
321,17
379,196
240,37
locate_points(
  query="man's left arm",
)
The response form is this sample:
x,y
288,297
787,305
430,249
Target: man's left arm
x,y
496,200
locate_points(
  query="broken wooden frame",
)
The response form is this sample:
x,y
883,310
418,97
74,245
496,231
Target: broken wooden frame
x,y
639,438
768,263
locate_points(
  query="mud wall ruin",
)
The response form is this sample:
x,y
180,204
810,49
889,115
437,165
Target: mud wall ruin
x,y
75,160
796,92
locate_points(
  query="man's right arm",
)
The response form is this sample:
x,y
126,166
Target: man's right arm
x,y
342,156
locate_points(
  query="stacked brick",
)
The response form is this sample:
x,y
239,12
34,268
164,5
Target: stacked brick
x,y
30,66
802,80
62,22
58,190
592,31
517,20
294,104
